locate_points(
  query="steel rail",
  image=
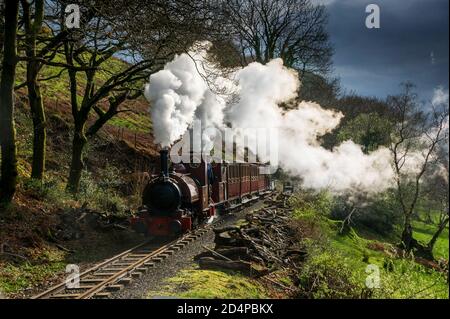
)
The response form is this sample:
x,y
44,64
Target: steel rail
x,y
91,292
127,270
62,285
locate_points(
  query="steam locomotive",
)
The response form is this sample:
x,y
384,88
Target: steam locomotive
x,y
177,201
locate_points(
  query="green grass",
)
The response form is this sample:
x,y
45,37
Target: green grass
x,y
13,279
16,277
134,122
205,284
400,278
348,257
58,90
424,232
337,266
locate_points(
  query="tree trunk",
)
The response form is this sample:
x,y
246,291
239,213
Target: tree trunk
x,y
39,122
33,28
77,165
9,173
435,237
407,235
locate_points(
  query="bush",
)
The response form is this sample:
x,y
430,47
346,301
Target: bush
x,y
101,196
314,203
311,211
327,275
381,214
51,190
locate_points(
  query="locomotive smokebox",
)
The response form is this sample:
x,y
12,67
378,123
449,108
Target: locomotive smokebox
x,y
164,163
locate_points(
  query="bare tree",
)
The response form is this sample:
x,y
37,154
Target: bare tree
x,y
437,197
8,179
294,30
416,131
40,49
142,36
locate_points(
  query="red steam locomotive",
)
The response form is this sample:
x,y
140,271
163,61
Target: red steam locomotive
x,y
175,202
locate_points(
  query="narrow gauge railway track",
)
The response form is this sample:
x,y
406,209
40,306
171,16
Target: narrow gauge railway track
x,y
113,274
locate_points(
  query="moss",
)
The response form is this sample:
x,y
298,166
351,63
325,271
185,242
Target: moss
x,y
241,223
210,284
286,281
13,279
17,277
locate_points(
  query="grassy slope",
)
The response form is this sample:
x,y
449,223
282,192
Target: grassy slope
x,y
17,277
100,183
56,92
133,128
400,278
424,232
338,264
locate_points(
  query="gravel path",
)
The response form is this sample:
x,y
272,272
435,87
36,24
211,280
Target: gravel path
x,y
172,265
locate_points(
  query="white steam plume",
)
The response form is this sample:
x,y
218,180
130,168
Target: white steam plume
x,y
179,94
262,89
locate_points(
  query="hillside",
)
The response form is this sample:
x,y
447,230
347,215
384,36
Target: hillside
x,y
111,184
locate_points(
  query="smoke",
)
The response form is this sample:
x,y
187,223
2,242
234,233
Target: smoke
x,y
182,93
175,93
262,89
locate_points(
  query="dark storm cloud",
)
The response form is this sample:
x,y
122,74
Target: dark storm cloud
x,y
412,44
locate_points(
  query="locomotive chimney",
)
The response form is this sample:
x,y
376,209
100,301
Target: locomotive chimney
x,y
164,162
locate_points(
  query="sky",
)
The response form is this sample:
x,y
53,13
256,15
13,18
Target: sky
x,y
410,45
